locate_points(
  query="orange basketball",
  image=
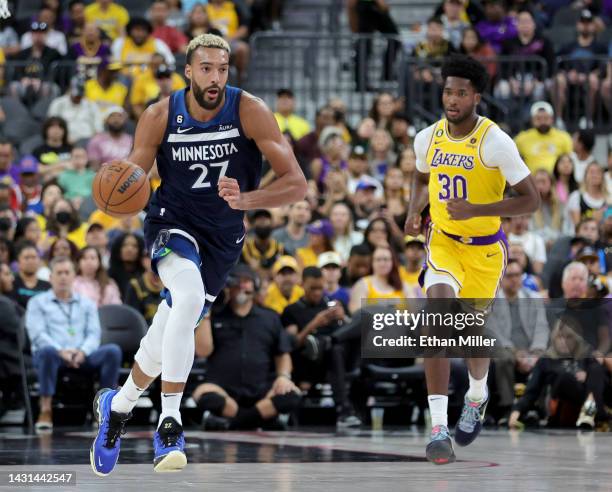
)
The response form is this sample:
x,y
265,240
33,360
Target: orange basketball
x,y
121,189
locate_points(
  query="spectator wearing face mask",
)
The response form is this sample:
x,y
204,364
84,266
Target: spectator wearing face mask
x,y
261,251
64,222
244,390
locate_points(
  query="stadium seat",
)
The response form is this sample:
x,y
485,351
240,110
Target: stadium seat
x,y
40,109
21,344
123,325
28,145
566,16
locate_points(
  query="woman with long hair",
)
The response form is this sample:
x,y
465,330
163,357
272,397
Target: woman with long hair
x,y
54,153
126,260
381,155
382,232
64,221
63,247
382,110
7,280
565,182
406,161
92,280
472,44
592,199
547,220
333,157
199,23
395,200
384,283
345,236
29,229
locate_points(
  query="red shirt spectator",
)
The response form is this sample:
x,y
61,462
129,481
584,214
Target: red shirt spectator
x,y
174,38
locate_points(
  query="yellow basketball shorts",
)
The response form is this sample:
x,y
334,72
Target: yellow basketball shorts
x,y
474,272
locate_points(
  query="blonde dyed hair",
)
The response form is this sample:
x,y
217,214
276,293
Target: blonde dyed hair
x,y
207,41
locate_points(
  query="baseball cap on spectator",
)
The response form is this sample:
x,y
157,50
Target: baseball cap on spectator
x,y
358,152
586,16
285,92
367,183
538,106
322,227
420,239
329,258
587,253
163,71
283,262
37,26
28,164
241,270
95,226
328,133
112,110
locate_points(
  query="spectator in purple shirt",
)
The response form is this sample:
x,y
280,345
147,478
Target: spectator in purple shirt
x,y
497,26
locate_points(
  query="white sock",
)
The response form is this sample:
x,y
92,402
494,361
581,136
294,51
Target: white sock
x,y
438,408
478,388
128,395
171,404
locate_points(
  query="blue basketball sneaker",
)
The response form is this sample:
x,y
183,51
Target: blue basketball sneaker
x,y
470,423
440,448
104,451
169,444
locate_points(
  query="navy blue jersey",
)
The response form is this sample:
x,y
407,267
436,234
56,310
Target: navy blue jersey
x,y
194,155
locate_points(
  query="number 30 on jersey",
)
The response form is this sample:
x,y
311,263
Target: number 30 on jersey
x,y
455,187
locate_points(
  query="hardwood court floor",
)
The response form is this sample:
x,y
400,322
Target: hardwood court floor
x,y
325,461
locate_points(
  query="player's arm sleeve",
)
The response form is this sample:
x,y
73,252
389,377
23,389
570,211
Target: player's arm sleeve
x,y
499,150
421,144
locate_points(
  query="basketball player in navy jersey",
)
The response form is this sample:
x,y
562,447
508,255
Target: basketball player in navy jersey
x,y
208,141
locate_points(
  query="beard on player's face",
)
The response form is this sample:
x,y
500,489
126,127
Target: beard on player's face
x,y
199,94
459,115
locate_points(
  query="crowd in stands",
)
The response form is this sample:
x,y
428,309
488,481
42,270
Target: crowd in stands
x,y
285,322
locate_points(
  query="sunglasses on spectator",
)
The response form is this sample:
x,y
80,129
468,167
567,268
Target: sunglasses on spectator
x,y
39,26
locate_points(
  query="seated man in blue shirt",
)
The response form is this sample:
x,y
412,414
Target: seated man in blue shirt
x,y
64,329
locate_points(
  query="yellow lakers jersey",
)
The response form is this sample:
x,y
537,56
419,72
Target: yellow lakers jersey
x,y
457,171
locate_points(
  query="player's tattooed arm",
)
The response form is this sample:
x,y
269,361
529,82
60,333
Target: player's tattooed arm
x,y
149,135
418,201
290,184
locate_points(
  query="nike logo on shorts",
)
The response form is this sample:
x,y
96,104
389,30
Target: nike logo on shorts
x,y
238,241
183,130
492,254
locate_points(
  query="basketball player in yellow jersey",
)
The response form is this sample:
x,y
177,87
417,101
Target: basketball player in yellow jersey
x,y
463,164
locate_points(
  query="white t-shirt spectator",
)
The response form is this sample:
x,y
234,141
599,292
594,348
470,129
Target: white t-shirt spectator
x,y
84,119
573,202
533,245
55,40
580,166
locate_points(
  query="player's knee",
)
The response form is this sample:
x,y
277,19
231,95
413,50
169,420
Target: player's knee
x,y
212,402
149,364
286,403
189,301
